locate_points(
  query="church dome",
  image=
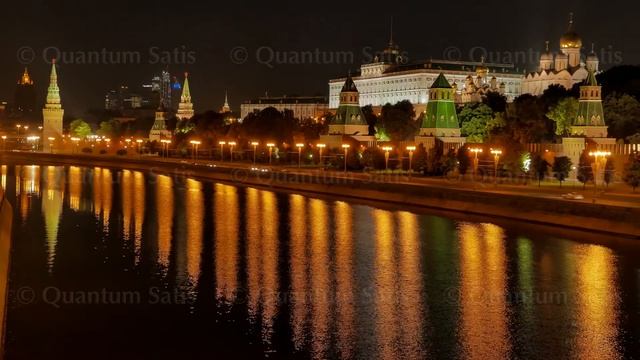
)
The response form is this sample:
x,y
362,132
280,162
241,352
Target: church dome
x,y
570,40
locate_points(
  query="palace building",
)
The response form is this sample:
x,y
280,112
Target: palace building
x,y
303,107
389,79
565,68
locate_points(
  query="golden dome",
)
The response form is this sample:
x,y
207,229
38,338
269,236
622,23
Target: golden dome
x,y
570,40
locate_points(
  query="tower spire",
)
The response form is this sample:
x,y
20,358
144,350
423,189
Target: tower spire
x,y
185,107
186,92
391,32
570,21
546,46
53,92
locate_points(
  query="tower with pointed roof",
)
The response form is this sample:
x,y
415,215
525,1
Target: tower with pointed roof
x,y
159,129
185,107
571,43
225,107
53,112
349,119
24,100
590,119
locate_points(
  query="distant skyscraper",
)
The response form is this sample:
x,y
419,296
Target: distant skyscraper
x,y
165,90
225,107
24,102
185,107
52,112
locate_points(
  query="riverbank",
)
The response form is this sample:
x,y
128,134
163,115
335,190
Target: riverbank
x,y
601,217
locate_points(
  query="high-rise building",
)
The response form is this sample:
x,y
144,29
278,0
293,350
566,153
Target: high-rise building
x,y
52,113
225,107
24,101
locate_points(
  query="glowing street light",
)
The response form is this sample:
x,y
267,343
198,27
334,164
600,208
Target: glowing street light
x,y
51,140
76,141
195,144
386,156
255,149
496,157
346,151
270,146
165,147
232,144
598,155
4,143
476,151
411,149
320,149
299,146
34,139
222,144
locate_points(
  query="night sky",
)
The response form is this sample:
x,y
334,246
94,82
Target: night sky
x,y
211,36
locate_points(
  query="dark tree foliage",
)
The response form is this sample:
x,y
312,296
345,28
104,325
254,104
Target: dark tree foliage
x,y
464,161
632,171
371,118
399,120
620,79
609,171
540,168
585,171
496,101
561,168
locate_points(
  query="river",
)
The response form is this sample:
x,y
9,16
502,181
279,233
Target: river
x,y
113,263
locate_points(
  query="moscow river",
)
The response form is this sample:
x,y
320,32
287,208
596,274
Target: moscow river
x,y
122,264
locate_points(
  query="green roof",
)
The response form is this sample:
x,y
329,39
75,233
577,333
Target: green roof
x,y
441,83
349,85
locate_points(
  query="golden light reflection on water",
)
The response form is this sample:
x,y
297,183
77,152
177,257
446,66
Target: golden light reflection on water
x,y
3,177
597,310
299,268
164,213
127,199
138,206
344,279
195,216
483,292
262,258
102,195
321,285
225,217
27,185
75,187
52,203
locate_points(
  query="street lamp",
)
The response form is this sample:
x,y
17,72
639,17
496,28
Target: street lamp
x,y
476,151
270,146
165,147
320,149
195,144
222,144
75,140
255,149
346,151
411,149
598,155
231,145
34,139
51,140
4,143
386,156
496,156
299,146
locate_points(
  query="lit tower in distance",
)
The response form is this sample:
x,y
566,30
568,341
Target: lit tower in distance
x,y
185,107
225,108
52,113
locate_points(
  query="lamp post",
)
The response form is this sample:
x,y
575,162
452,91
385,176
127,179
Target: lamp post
x,y
270,146
4,143
195,144
496,157
346,151
299,146
165,147
139,144
76,140
475,151
222,144
34,139
231,145
320,149
598,155
255,149
386,156
411,149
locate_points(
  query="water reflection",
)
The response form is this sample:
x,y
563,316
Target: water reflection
x,y
311,278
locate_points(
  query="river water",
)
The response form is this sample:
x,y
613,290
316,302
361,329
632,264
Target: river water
x,y
125,264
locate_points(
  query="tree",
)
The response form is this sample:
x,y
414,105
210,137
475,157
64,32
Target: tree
x,y
585,171
371,118
561,168
496,101
463,160
621,79
110,129
526,121
540,167
80,128
622,115
563,114
398,121
475,120
632,172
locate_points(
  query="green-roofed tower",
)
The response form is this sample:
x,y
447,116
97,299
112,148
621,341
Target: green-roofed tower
x,y
185,107
349,118
440,118
53,112
590,119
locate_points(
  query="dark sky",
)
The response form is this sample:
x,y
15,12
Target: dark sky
x,y
213,34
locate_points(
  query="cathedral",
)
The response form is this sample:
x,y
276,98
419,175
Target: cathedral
x,y
565,68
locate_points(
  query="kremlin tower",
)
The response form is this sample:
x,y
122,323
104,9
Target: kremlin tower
x,y
185,107
52,113
225,108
